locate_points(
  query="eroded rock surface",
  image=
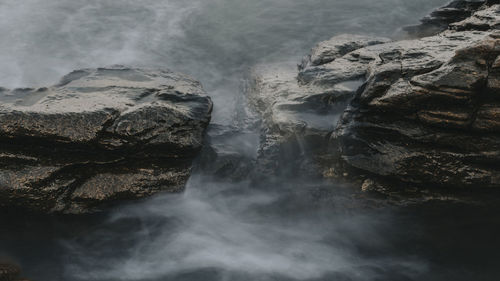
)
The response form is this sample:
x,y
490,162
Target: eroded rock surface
x,y
10,272
430,113
229,152
423,111
300,108
483,19
338,46
440,19
98,136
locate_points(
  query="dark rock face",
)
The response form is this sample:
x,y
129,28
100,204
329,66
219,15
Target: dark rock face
x,y
441,18
338,46
429,111
422,111
300,108
484,19
9,272
229,152
98,136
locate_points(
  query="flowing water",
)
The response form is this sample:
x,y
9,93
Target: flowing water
x,y
225,230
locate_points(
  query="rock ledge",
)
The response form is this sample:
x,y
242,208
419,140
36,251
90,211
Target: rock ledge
x,y
98,136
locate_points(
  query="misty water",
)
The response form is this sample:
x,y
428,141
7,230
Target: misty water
x,y
223,229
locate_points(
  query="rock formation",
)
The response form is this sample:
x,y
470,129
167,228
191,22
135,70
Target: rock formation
x,y
300,108
98,136
10,272
229,152
421,111
441,18
429,112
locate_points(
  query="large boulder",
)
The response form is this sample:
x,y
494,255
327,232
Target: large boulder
x,y
99,136
422,111
429,113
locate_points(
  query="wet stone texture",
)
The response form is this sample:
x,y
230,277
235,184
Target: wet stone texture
x,y
300,107
441,18
429,112
10,272
422,111
99,136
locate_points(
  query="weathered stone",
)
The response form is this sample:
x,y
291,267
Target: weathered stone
x,y
9,272
441,18
487,118
435,125
300,109
229,152
421,111
98,136
481,20
338,46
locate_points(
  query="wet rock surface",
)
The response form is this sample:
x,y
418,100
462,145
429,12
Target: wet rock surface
x,y
338,46
300,107
428,114
441,18
10,272
421,111
229,152
98,136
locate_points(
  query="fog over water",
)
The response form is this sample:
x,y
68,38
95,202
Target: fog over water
x,y
216,230
212,40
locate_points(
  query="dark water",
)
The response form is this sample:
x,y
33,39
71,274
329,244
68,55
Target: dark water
x,y
222,230
298,231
